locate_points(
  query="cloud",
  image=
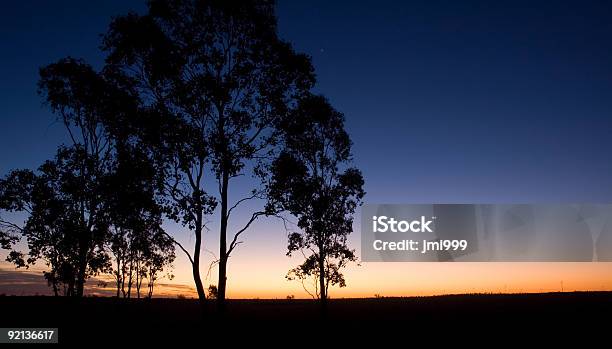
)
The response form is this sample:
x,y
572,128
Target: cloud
x,y
23,283
31,283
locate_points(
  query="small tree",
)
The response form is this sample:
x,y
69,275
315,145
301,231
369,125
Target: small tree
x,y
213,292
119,246
159,257
311,179
139,245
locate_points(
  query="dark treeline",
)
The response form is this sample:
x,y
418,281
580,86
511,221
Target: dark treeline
x,y
191,93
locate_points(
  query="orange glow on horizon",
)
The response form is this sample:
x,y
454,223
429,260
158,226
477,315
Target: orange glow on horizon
x,y
251,276
424,279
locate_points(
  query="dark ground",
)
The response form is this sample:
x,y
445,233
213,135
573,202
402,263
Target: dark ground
x,y
453,317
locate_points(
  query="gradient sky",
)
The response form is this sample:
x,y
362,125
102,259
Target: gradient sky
x,y
445,101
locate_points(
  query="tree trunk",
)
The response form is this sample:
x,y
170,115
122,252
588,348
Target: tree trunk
x,y
118,276
138,276
196,262
322,288
151,282
223,244
55,289
130,278
69,291
81,272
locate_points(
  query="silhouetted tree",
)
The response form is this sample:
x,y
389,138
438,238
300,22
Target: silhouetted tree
x,y
214,79
67,199
213,292
129,220
140,247
311,179
119,246
89,107
56,225
139,252
159,257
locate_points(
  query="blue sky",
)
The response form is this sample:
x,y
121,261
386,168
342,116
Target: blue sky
x,y
445,101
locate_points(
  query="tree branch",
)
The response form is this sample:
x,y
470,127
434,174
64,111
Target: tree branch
x,y
180,246
235,242
256,195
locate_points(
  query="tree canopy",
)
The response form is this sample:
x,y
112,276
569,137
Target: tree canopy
x,y
213,80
